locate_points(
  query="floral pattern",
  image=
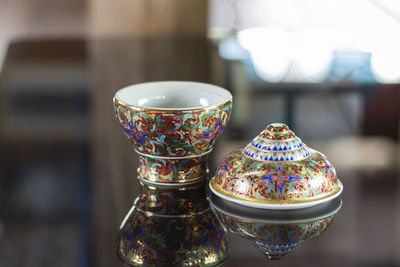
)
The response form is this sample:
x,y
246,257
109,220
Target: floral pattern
x,y
283,182
173,133
173,170
276,180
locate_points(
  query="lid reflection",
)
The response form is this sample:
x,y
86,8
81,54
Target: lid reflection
x,y
275,233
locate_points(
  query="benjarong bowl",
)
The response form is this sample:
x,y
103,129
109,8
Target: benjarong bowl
x,y
173,118
276,170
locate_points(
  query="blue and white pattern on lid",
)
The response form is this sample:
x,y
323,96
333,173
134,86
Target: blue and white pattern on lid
x,y
277,143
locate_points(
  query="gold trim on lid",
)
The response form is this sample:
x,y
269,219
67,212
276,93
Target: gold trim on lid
x,y
269,201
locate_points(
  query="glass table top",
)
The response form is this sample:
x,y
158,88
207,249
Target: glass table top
x,y
68,174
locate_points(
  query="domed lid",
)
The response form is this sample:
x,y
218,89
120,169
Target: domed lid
x,y
276,171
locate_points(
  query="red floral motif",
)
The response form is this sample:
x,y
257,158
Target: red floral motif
x,y
173,170
257,180
171,134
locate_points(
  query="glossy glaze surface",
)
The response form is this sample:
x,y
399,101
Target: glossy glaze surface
x,y
173,132
276,168
173,170
173,95
173,143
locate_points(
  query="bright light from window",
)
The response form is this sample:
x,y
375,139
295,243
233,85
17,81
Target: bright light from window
x,y
295,39
289,56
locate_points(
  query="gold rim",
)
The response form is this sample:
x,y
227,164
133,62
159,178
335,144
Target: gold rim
x,y
193,186
152,214
323,217
268,201
173,181
190,156
312,153
281,162
173,111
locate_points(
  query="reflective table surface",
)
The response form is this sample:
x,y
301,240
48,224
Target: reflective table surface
x,y
68,174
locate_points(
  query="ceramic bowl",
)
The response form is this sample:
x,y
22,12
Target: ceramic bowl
x,y
276,171
173,118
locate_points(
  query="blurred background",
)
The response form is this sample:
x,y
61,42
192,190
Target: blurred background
x,y
328,69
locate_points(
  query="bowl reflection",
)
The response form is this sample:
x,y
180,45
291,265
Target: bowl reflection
x,y
169,226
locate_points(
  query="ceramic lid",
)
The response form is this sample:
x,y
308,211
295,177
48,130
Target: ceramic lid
x,y
276,171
